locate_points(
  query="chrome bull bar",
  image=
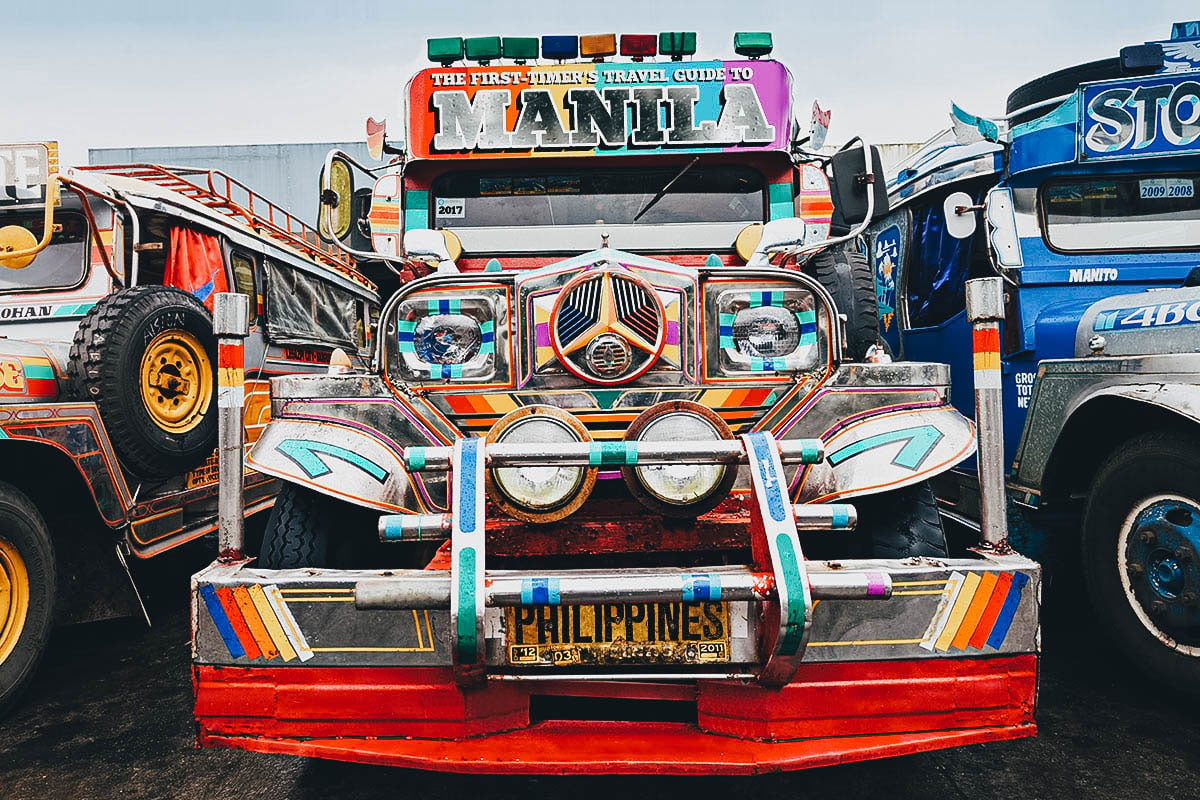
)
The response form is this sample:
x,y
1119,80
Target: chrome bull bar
x,y
778,575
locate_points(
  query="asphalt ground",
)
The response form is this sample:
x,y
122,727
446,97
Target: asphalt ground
x,y
109,716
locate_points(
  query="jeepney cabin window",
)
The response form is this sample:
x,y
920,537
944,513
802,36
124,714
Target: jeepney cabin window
x,y
939,265
62,265
1123,212
243,280
305,309
598,196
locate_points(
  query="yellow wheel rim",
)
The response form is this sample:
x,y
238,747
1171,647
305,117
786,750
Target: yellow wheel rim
x,y
14,597
176,381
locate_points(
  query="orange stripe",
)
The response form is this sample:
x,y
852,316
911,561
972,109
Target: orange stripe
x,y
987,582
241,595
995,604
483,404
986,340
234,614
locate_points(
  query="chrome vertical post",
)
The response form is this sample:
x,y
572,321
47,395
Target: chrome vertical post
x,y
231,323
985,309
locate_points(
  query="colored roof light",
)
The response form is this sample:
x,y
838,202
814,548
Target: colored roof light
x,y
520,48
445,51
560,47
753,45
483,48
677,44
1186,30
639,45
598,45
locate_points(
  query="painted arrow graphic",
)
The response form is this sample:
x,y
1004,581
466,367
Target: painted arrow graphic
x,y
308,455
918,444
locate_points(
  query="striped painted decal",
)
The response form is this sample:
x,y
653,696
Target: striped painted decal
x,y
976,611
231,374
39,377
255,622
986,344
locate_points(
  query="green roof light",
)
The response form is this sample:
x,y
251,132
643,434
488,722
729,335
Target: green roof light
x,y
753,45
483,49
520,48
677,44
445,51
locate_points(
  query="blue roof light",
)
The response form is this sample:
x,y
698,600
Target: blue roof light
x,y
560,47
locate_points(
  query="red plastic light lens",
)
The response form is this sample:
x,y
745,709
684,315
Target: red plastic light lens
x,y
639,44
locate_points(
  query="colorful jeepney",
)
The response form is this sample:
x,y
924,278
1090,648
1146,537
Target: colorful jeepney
x,y
108,390
626,488
1090,191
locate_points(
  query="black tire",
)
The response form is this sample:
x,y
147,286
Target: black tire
x,y
902,523
1057,84
310,529
847,275
23,531
1148,466
105,367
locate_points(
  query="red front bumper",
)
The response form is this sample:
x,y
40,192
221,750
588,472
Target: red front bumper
x,y
418,717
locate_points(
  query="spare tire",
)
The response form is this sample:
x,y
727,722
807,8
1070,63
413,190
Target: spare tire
x,y
146,357
1057,84
847,275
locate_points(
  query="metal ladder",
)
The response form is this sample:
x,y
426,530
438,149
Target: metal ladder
x,y
231,198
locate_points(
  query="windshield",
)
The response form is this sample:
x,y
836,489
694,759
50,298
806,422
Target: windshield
x,y
1127,212
61,265
598,197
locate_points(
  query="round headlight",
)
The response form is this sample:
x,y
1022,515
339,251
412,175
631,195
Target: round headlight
x,y
766,332
543,493
679,490
447,339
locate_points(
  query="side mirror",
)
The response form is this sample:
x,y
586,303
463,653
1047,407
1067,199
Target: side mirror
x,y
851,185
337,209
778,234
959,210
430,246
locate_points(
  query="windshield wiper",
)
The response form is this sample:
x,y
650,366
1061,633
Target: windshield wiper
x,y
663,191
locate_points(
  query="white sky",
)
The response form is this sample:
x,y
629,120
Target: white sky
x,y
123,73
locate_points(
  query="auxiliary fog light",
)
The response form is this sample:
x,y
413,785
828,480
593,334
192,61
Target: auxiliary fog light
x,y
679,490
539,493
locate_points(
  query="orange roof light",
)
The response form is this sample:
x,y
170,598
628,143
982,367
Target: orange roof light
x,y
598,45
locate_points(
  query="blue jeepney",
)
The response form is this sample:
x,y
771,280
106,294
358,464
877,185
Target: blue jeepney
x,y
1085,197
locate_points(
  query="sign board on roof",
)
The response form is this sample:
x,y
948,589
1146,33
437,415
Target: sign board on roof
x,y
599,109
1151,116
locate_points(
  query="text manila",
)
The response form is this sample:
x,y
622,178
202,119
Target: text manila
x,y
597,118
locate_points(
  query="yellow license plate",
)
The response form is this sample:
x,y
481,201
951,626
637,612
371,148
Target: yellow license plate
x,y
618,633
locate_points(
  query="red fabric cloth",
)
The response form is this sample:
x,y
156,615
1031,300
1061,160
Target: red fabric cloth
x,y
194,264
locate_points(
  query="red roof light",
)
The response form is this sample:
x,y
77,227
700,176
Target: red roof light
x,y
639,45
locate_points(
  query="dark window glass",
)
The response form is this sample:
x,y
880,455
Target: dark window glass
x,y
61,265
304,309
588,197
938,266
243,279
1126,212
